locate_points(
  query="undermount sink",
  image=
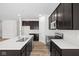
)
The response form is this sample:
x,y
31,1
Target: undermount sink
x,y
22,40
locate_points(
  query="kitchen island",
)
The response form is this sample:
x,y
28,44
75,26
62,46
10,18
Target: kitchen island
x,y
61,47
16,47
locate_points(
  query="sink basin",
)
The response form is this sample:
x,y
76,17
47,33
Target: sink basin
x,y
22,40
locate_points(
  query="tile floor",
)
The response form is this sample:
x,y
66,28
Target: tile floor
x,y
39,49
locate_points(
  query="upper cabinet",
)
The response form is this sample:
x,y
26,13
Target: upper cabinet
x,y
76,16
34,25
60,17
66,16
52,20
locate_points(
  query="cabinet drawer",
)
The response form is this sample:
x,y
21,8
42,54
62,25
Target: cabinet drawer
x,y
9,53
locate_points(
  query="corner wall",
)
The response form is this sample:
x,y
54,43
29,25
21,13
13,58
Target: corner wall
x,y
0,28
9,28
44,28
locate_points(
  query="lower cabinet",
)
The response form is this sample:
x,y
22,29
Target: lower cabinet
x,y
36,36
22,52
57,53
54,49
53,52
28,48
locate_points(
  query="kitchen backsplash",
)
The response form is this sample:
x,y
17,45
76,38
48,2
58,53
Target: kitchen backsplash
x,y
71,36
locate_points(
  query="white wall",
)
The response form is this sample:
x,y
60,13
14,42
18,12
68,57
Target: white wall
x,y
72,36
19,26
42,29
9,28
0,28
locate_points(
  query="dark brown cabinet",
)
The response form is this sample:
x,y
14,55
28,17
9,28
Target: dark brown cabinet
x,y
67,16
28,48
55,50
64,20
53,18
60,17
34,25
76,16
36,36
52,49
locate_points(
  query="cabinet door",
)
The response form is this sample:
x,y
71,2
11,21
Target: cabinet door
x,y
52,49
64,18
28,47
67,16
25,23
57,53
50,22
53,16
23,51
60,17
51,19
76,16
36,37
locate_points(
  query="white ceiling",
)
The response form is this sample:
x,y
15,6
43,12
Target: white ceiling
x,y
27,10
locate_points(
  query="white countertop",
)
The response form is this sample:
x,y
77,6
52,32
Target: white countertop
x,y
61,43
34,31
11,44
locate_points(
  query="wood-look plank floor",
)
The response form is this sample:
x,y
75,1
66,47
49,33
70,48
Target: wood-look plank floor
x,y
39,49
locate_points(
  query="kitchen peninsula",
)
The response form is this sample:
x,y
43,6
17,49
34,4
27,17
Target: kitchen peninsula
x,y
19,46
61,47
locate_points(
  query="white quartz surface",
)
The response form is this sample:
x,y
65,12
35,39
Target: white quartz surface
x,y
63,44
34,31
11,44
